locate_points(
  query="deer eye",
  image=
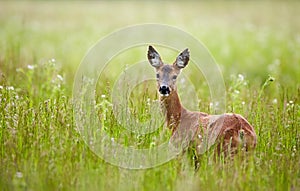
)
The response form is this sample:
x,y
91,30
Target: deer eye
x,y
157,75
174,77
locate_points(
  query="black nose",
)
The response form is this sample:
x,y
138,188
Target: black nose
x,y
164,90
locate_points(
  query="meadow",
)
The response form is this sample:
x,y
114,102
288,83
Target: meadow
x,y
256,44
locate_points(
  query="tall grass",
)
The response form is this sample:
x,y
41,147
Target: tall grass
x,y
42,45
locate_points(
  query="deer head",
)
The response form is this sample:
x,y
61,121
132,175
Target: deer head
x,y
166,74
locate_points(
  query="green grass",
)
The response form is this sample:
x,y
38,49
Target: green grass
x,y
42,44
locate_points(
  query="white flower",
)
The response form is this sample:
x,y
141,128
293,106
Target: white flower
x,y
30,67
236,91
19,174
148,101
60,77
241,77
10,88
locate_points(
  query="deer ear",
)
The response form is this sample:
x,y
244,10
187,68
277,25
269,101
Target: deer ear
x,y
154,57
182,59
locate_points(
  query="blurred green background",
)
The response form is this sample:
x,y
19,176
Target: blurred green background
x,y
253,38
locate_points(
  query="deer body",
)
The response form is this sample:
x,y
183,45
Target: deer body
x,y
230,131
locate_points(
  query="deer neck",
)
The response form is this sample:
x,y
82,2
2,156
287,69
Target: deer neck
x,y
172,109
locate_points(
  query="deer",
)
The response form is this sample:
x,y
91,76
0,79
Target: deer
x,y
230,132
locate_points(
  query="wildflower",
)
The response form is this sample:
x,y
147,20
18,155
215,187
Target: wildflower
x,y
290,103
19,174
241,77
60,77
30,67
10,88
236,91
148,101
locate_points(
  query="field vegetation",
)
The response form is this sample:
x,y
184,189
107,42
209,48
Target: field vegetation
x,y
255,43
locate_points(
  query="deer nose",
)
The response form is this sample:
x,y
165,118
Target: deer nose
x,y
164,90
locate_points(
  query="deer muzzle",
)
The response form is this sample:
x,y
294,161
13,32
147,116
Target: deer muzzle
x,y
164,90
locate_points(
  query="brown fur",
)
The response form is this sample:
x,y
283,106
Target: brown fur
x,y
229,131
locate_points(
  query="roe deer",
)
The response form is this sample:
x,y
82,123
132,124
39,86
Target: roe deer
x,y
232,131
